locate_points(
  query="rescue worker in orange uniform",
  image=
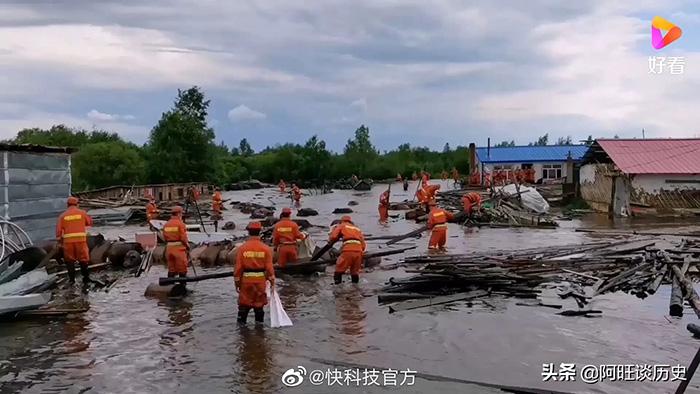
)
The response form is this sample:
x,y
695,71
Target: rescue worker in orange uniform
x,y
71,234
283,186
530,175
437,222
474,177
470,199
194,193
216,201
444,175
399,178
415,176
351,253
430,192
285,236
152,212
384,206
177,244
296,193
252,270
405,184
455,176
422,197
353,178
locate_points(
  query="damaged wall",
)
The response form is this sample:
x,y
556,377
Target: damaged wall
x,y
666,191
35,187
596,185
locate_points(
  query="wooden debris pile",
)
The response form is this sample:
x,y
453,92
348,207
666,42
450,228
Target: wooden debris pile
x,y
581,272
498,210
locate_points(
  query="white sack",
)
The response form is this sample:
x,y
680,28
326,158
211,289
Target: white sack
x,y
278,317
532,200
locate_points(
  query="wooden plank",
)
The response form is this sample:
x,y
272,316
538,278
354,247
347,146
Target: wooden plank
x,y
415,304
619,278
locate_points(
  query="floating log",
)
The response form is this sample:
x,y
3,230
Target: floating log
x,y
579,313
171,290
690,294
407,235
694,329
415,304
676,306
656,283
555,306
290,266
396,297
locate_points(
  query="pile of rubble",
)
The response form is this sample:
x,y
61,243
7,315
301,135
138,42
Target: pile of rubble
x,y
637,265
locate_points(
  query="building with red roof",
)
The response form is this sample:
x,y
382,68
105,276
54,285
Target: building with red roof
x,y
621,176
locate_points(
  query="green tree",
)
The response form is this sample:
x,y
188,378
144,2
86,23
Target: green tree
x,y
181,146
564,141
104,164
589,141
244,148
360,151
505,144
542,141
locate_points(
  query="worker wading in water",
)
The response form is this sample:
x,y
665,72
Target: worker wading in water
x,y
177,244
444,175
152,212
351,252
399,178
283,186
437,222
296,195
384,206
470,201
252,270
216,202
285,238
71,234
405,185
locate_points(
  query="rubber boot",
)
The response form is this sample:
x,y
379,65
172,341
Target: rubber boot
x,y
84,272
355,278
216,225
338,278
259,315
70,267
243,314
183,276
171,274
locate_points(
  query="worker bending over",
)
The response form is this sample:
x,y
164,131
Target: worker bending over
x,y
351,252
152,212
437,222
177,245
444,175
296,193
285,238
384,206
471,201
71,234
252,269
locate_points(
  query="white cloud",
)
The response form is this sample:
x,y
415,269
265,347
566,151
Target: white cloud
x,y
242,113
10,126
97,115
360,104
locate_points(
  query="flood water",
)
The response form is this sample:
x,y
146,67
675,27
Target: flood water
x,y
127,343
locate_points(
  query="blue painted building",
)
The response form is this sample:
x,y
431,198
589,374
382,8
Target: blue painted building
x,y
549,162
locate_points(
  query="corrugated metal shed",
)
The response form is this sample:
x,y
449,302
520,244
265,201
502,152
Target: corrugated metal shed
x,y
530,154
649,156
34,184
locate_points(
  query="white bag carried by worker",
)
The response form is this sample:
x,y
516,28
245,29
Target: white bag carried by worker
x,y
278,317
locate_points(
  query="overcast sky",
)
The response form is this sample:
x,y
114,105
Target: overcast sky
x,y
422,72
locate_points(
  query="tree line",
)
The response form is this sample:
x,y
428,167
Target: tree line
x,y
181,147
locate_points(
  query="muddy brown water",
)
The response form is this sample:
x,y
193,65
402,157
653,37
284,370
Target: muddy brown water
x,y
127,343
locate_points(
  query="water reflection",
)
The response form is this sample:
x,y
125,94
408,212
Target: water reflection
x,y
348,304
180,313
76,338
255,359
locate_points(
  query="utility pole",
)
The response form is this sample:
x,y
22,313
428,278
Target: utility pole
x,y
642,133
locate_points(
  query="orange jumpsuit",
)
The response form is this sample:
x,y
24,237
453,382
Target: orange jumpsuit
x,y
296,192
216,202
437,222
430,191
195,193
152,211
175,234
284,239
399,178
422,197
474,177
384,206
469,199
415,176
353,248
444,175
72,230
253,268
283,186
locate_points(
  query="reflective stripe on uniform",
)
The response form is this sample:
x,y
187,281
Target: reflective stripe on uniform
x,y
288,243
176,243
440,226
253,274
171,229
72,217
353,242
255,255
75,235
